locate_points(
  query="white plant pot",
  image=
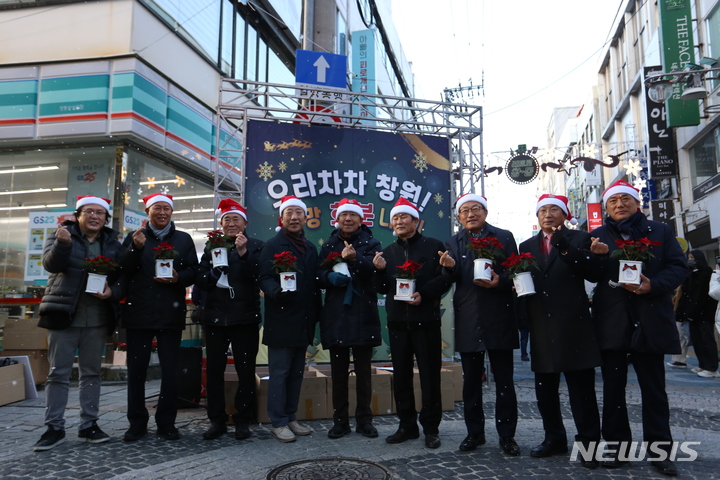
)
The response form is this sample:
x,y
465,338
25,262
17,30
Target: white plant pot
x,y
219,257
95,283
524,284
341,268
482,269
288,281
164,268
630,271
404,288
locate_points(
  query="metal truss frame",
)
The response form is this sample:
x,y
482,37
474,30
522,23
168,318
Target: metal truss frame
x,y
241,100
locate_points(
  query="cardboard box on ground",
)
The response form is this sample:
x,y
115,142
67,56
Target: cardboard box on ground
x,y
12,384
316,391
39,363
24,334
381,402
313,404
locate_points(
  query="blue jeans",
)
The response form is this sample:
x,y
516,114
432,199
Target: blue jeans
x,y
285,366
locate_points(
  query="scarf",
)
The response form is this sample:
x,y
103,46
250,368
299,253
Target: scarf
x,y
298,240
160,233
628,228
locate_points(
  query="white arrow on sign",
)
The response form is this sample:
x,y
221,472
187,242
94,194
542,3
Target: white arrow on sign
x,y
322,65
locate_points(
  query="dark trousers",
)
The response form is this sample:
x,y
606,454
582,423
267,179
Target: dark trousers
x,y
702,335
473,364
426,346
650,370
583,403
524,339
339,365
286,367
244,340
139,346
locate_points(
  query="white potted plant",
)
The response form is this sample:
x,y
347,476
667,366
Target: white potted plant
x,y
632,254
286,267
164,255
486,250
98,269
518,265
405,279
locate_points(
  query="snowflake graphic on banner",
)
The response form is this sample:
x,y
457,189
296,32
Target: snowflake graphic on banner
x,y
640,184
265,171
282,167
632,167
165,189
438,198
420,162
441,214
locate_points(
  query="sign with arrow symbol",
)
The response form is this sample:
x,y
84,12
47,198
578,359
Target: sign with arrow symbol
x,y
320,69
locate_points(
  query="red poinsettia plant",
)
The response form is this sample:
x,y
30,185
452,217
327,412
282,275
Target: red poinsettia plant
x,y
164,251
634,250
408,270
487,247
285,262
99,265
217,239
518,263
331,260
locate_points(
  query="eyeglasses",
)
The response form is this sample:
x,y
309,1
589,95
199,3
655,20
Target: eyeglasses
x,y
96,213
549,212
475,210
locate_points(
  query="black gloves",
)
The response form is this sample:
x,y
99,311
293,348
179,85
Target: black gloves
x,y
560,241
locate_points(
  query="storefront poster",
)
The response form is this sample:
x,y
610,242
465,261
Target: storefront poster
x,y
40,225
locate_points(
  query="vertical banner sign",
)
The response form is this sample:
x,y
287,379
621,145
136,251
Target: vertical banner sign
x,y
594,216
661,140
676,41
363,68
321,165
664,211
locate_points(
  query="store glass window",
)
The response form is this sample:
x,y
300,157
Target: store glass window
x,y
38,190
704,160
712,23
226,51
290,13
192,197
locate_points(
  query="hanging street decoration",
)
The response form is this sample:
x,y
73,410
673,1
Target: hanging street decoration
x,y
522,168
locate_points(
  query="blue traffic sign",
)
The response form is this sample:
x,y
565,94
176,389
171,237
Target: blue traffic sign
x,y
320,68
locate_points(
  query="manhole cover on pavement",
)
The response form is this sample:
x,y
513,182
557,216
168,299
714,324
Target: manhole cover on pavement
x,y
329,468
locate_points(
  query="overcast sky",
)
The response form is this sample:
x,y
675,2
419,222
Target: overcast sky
x,y
523,47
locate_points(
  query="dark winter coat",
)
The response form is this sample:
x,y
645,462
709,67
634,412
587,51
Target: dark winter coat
x,y
290,317
151,305
241,307
430,284
695,303
357,324
644,323
562,335
484,317
68,278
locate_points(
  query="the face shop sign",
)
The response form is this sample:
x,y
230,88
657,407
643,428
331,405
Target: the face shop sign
x,y
522,168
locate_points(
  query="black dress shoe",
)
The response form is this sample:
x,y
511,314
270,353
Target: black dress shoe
x,y
242,431
591,464
135,433
168,432
339,430
432,440
548,448
472,441
402,435
509,446
367,430
216,430
666,467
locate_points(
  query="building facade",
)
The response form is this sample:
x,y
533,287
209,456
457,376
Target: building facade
x,y
118,98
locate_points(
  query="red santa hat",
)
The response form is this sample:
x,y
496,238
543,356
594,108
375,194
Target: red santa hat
x,y
621,186
289,201
150,200
557,200
228,205
470,197
404,206
348,205
92,200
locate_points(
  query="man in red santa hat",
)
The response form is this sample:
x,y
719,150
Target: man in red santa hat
x,y
413,321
